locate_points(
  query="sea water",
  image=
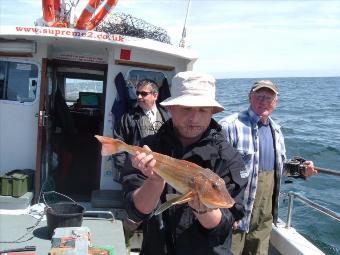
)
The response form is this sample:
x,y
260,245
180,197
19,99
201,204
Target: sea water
x,y
308,110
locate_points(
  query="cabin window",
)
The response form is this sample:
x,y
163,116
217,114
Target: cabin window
x,y
73,88
18,81
134,76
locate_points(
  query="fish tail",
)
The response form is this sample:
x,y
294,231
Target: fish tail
x,y
110,146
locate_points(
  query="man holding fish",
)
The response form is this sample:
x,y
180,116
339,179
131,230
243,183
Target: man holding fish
x,y
187,201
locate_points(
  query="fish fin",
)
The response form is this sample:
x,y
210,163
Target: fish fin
x,y
180,199
172,196
109,146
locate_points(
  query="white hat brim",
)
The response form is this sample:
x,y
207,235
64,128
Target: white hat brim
x,y
193,101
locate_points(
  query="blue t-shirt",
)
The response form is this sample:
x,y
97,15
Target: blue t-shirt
x,y
266,148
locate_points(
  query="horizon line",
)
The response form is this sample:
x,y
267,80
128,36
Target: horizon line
x,y
278,77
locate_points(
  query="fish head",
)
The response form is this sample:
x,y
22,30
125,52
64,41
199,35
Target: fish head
x,y
212,191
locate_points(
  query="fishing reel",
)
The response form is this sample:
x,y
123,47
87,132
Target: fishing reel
x,y
295,167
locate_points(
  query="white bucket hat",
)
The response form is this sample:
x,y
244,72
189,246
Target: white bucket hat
x,y
193,89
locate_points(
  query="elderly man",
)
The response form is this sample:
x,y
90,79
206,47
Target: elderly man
x,y
191,134
260,141
142,120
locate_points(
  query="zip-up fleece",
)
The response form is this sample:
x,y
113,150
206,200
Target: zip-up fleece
x,y
177,231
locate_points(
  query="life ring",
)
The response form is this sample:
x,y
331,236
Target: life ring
x,y
86,22
51,11
101,14
87,13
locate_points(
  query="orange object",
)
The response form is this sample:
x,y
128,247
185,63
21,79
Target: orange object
x,y
60,23
51,11
186,177
101,14
87,13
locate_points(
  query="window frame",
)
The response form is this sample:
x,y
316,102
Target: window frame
x,y
37,79
84,79
129,84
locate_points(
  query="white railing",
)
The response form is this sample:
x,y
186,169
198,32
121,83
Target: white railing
x,y
322,209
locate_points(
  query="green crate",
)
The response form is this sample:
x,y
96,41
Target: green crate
x,y
20,184
28,172
6,185
30,175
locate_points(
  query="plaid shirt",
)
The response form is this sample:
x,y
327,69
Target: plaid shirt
x,y
242,132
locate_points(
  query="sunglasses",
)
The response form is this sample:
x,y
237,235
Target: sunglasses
x,y
143,93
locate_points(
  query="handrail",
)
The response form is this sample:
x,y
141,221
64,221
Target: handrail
x,y
324,210
101,212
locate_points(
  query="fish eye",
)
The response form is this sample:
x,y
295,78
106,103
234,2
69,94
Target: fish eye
x,y
214,185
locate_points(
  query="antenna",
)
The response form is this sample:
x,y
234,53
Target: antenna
x,y
184,32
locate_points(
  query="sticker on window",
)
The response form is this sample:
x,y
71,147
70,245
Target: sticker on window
x,y
24,67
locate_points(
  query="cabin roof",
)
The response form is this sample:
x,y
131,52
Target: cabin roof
x,y
85,39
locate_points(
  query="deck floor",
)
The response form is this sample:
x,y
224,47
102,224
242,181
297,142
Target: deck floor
x,y
103,232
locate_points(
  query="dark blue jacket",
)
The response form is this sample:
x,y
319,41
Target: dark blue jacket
x,y
129,129
176,230
121,103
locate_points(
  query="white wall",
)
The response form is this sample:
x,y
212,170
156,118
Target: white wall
x,y
18,132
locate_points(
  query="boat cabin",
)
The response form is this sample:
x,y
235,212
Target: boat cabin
x,y
58,88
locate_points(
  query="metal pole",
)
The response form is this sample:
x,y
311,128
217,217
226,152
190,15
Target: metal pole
x,y
290,209
318,207
184,32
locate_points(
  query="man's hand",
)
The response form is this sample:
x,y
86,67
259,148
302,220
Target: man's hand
x,y
146,163
197,206
235,225
309,169
147,196
209,218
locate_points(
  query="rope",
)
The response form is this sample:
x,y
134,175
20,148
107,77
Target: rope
x,y
28,231
49,183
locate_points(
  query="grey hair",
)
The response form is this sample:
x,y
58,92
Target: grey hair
x,y
147,82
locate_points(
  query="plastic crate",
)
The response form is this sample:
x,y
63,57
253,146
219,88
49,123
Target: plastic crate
x,y
19,184
6,185
28,172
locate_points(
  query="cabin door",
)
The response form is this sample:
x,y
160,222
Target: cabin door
x,y
19,99
76,114
42,137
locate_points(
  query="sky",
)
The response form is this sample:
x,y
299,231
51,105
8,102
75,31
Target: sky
x,y
234,39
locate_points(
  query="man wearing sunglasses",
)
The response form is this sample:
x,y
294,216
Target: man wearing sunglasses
x,y
144,119
260,142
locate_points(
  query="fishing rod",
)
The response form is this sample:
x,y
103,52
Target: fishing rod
x,y
327,171
296,166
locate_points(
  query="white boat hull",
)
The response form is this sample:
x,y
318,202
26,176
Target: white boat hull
x,y
289,241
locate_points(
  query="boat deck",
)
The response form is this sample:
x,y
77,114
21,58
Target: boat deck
x,y
107,232
103,232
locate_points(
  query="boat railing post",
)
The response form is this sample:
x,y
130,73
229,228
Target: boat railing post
x,y
290,209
